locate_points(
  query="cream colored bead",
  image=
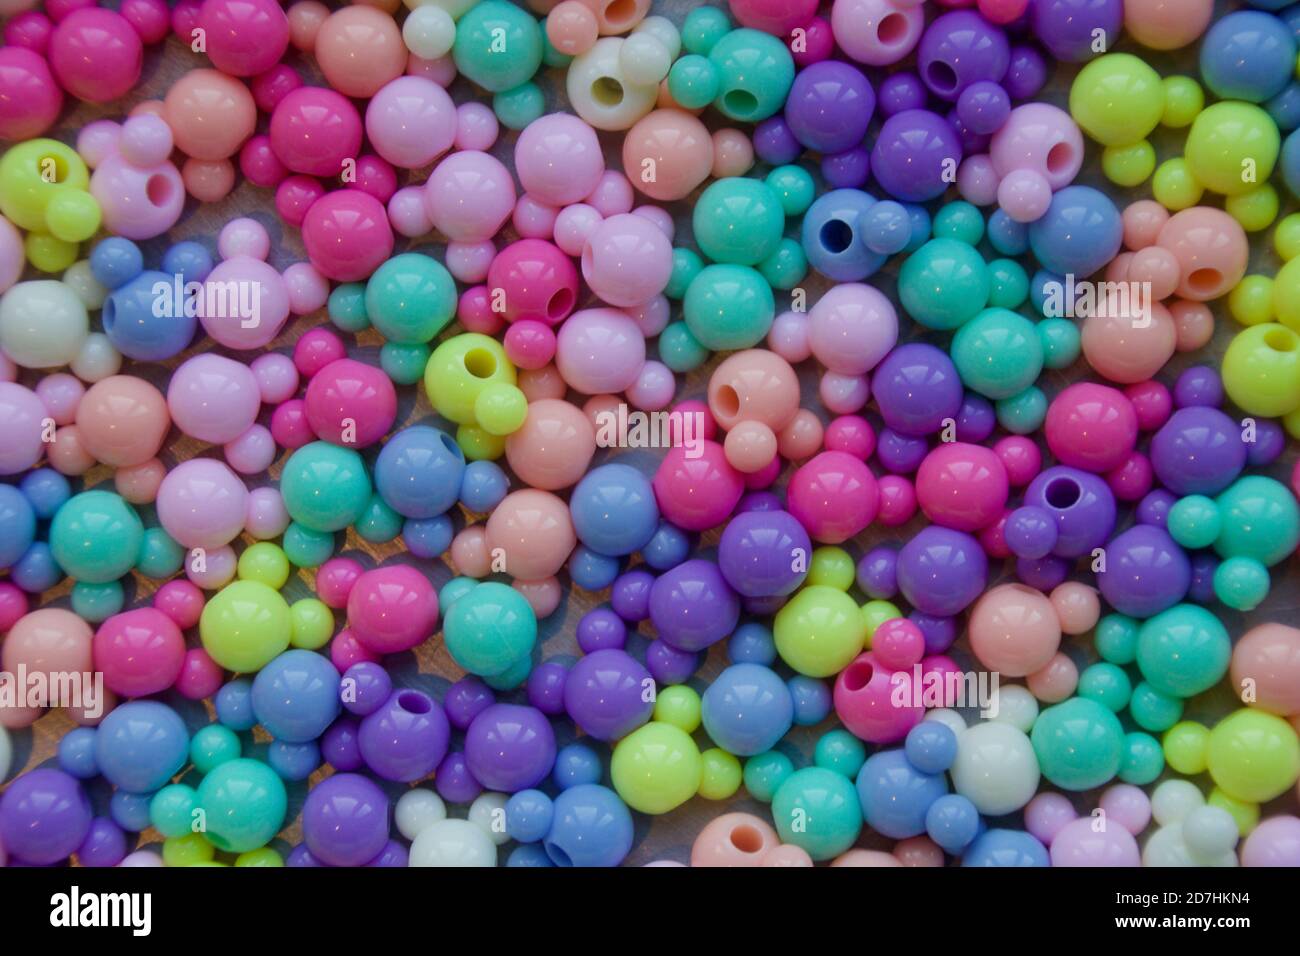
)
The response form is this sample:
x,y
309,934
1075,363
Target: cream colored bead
x,y
600,92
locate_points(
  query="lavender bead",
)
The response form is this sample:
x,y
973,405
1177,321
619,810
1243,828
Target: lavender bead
x,y
366,687
340,745
1082,504
940,631
1154,508
105,844
941,571
345,820
775,143
466,699
300,856
760,501
830,106
509,747
44,817
878,573
453,780
1199,451
605,695
1030,532
971,141
1146,572
668,665
692,606
901,91
913,151
757,554
1068,27
916,388
601,629
1026,73
545,687
406,738
900,454
849,169
630,596
983,107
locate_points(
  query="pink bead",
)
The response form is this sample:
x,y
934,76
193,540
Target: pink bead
x,y
138,202
244,37
533,219
317,348
374,176
531,532
1024,195
243,237
213,399
48,641
277,377
476,127
897,500
30,30
308,290
961,486
529,344
651,317
559,160
1014,629
441,71
818,43
289,425
697,493
626,260
734,840
1211,250
1268,655
256,303
876,32
252,452
260,165
60,393
270,87
1132,478
350,403
335,580
181,601
1090,426
1056,681
96,55
898,644
599,350
266,516
346,650
1042,139
30,99
802,437
1002,11
122,421
407,214
536,279
538,384
553,447
765,477
200,676
790,335
97,140
706,425
1077,607
1020,457
1143,221
851,328
993,537
469,196
13,605
851,434
1128,347
612,194
411,122
1158,268
313,130
1193,324
347,235
474,311
918,851
202,504
185,18
140,652
1152,404
469,261
210,114
1275,842
469,552
978,181
1047,814
1079,843
865,858
866,694
543,596
777,17
294,196
834,496
574,225
392,609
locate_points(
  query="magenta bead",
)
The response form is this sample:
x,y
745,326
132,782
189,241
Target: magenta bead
x,y
140,652
317,348
200,676
96,55
469,196
149,18
244,37
865,698
213,398
335,580
181,601
697,493
313,130
350,403
819,42
599,351
1090,426
851,434
529,344
962,486
270,87
377,177
897,500
30,99
1020,457
13,605
559,159
474,311
30,30
347,235
346,650
834,496
260,165
411,121
1152,403
294,196
898,644
392,609
289,425
538,281
777,17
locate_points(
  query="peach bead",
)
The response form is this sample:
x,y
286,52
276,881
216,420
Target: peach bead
x,y
305,19
1126,348
553,447
787,854
866,858
210,114
1077,607
1055,682
67,453
1117,269
750,447
1156,266
667,154
1211,249
1266,668
149,108
734,839
530,534
1014,630
360,49
733,153
572,27
618,16
139,484
801,438
122,421
1143,221
918,851
541,383
469,552
1193,324
47,641
598,407
388,6
209,180
1166,24
754,385
542,596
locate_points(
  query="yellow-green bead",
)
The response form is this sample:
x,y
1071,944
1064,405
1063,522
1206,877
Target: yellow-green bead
x,y
188,850
311,624
47,253
1117,99
656,768
819,631
1184,100
73,215
245,625
1244,813
721,775
1286,237
479,444
1129,165
1232,147
1261,369
1174,186
265,563
1255,210
1286,295
32,174
1185,745
500,409
262,857
1253,756
876,613
832,567
460,369
679,706
1251,300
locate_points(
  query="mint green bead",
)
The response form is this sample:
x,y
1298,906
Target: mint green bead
x,y
738,220
410,298
764,773
1152,710
243,803
794,186
380,523
160,556
1116,638
404,364
944,284
686,266
490,629
171,811
1022,414
513,676
679,349
1143,760
1183,651
325,487
95,537
755,73
96,603
552,57
1241,583
703,28
840,751
1060,342
728,307
959,220
1008,284
1260,520
347,307
306,548
818,810
454,590
212,746
1194,521
498,45
1107,684
693,82
786,267
518,107
997,353
1079,744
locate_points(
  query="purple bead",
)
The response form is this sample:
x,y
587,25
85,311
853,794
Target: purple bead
x,y
340,745
1082,504
453,780
601,629
829,106
300,856
939,631
760,501
1154,507
44,817
1199,451
941,571
914,151
976,419
958,49
692,607
1066,27
668,665
392,856
878,573
510,747
1198,385
848,169
775,143
630,597
763,606
1030,532
368,690
983,107
1269,443
1026,73
105,844
972,142
1146,572
757,553
466,699
345,820
406,738
1042,573
605,695
901,91
916,388
546,687
900,454
1201,589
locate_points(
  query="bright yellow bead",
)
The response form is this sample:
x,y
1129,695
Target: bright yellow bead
x,y
311,624
832,567
265,563
1251,300
1245,813
1255,210
48,254
722,774
1286,237
1129,165
478,444
188,850
1184,100
1174,186
679,706
876,613
1185,746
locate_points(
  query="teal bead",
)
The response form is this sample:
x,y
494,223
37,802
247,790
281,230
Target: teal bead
x,y
552,57
490,629
1060,341
738,220
764,773
410,298
95,537
517,108
306,548
1008,284
840,751
347,307
1079,744
729,307
1143,759
944,284
160,556
787,267
212,746
1260,520
997,353
498,45
959,220
679,349
1194,522
703,28
1022,414
454,590
1106,684
512,677
818,810
1116,639
755,73
379,523
686,266
1152,710
1183,651
325,487
404,364
243,803
693,82
1241,583
794,186
96,603
171,811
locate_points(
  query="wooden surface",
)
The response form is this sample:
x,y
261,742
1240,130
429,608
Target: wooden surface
x,y
429,667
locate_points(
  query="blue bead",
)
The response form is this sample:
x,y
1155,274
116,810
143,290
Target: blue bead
x,y
811,698
36,570
46,490
1285,107
115,262
296,696
529,814
896,795
752,644
832,236
887,227
747,709
234,705
1290,162
919,217
1041,284
1247,55
428,537
1080,232
1005,848
483,486
592,827
77,753
614,510
1290,15
575,765
529,855
1008,237
952,822
132,323
930,747
591,571
17,525
419,471
669,547
140,745
293,761
130,811
189,260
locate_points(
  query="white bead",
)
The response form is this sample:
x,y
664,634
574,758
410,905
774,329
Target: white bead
x,y
950,719
1016,706
456,8
663,30
453,843
995,768
1165,847
601,94
488,811
82,281
6,753
1173,800
1209,832
429,32
98,359
43,324
417,810
644,59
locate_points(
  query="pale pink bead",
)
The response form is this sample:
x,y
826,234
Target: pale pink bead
x,y
844,394
200,676
733,153
139,484
654,387
866,858
611,195
60,393
627,260
266,516
441,71
407,212
469,261
734,840
977,180
255,299
243,237
214,570
1128,806
559,161
252,452
202,504
599,351
877,32
213,398
469,552
1047,814
277,377
534,219
660,217
1143,221
1077,607
651,317
308,290
67,453
543,595
469,196
97,141
13,259
789,337
574,225
411,121
476,126
787,854
1055,682
137,202
1024,195
145,140
141,858
851,328
1041,138
1080,843
1117,270
918,851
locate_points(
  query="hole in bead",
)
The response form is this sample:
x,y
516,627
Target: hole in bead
x,y
943,77
1062,493
557,855
480,363
746,839
413,702
836,236
1059,158
558,306
449,443
858,675
1204,281
728,401
619,14
740,102
892,29
607,91
55,166
1279,340
158,189
108,317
